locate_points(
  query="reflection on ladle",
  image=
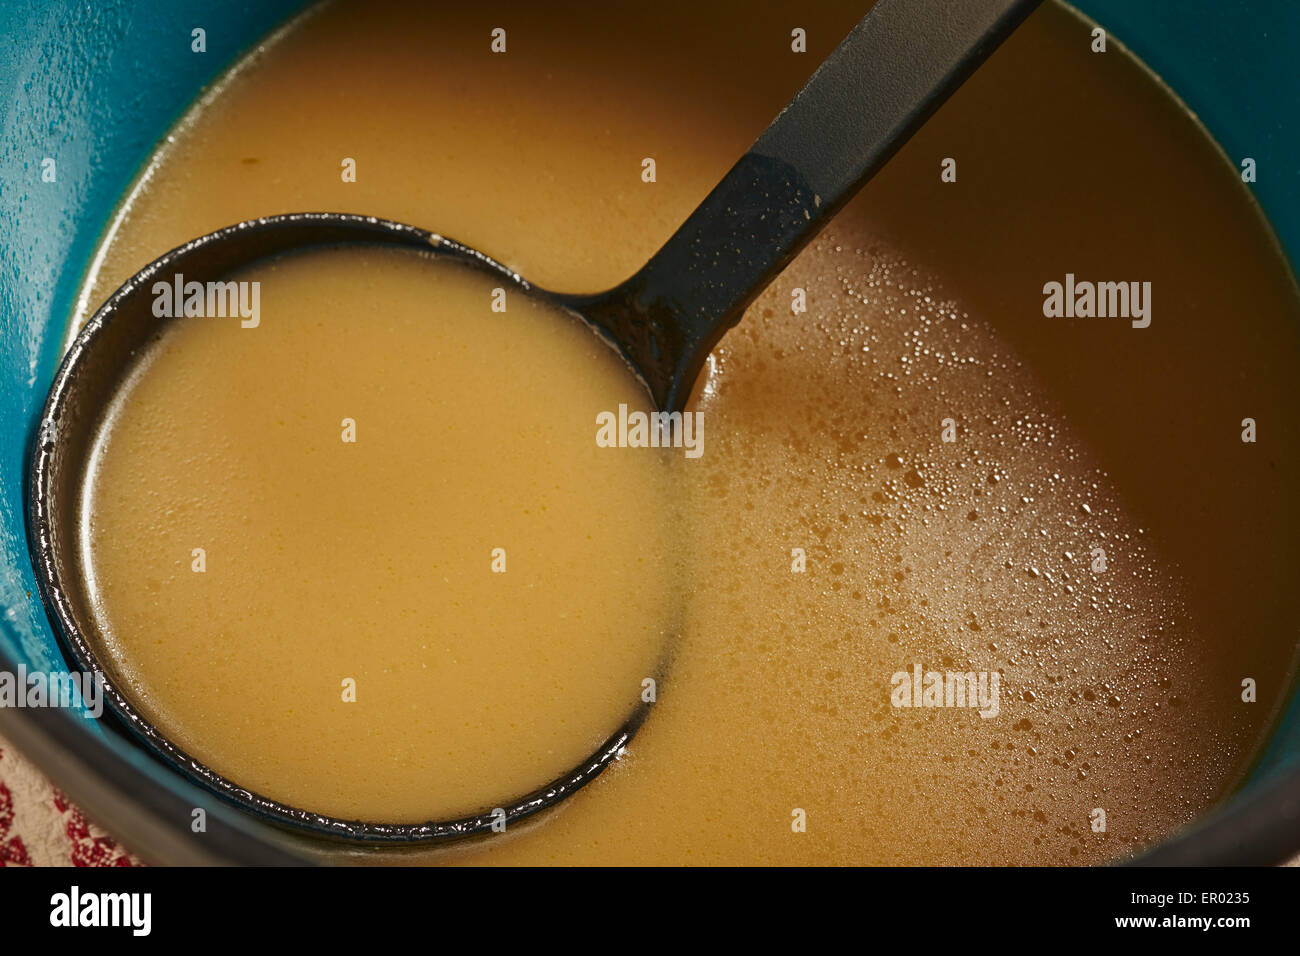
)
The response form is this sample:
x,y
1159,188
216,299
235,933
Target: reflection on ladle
x,y
892,71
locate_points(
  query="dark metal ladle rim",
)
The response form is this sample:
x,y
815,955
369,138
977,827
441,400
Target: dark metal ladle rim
x,y
75,644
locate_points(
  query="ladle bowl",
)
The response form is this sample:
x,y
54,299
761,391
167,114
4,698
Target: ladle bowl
x,y
85,384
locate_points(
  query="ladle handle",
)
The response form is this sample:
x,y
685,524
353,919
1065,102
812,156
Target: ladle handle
x,y
895,68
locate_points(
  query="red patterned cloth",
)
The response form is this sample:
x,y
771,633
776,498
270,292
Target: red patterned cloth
x,y
39,827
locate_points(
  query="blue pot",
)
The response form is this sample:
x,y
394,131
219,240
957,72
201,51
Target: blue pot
x,y
100,104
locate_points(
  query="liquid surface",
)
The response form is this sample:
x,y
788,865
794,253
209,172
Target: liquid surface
x,y
422,588
1120,689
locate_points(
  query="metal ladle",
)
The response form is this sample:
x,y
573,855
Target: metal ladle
x,y
875,90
